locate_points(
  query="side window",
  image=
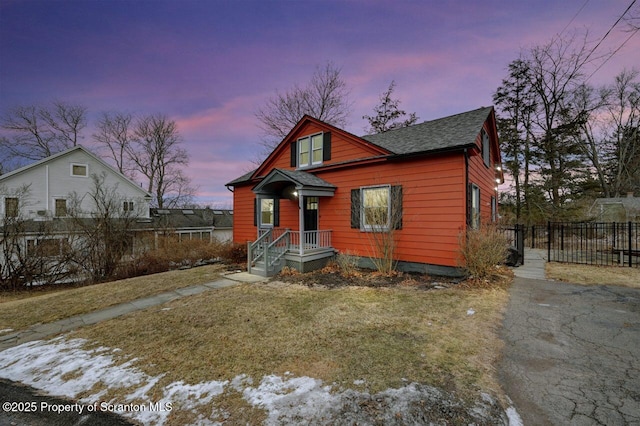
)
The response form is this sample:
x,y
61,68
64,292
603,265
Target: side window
x,y
475,207
11,207
127,206
494,209
486,149
61,207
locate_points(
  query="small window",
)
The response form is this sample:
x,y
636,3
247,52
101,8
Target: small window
x,y
48,247
494,209
127,206
486,149
267,211
11,207
376,208
79,170
310,150
475,207
61,207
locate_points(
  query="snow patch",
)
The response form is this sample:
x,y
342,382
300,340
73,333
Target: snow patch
x,y
514,417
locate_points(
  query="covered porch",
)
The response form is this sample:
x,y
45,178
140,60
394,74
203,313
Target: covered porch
x,y
305,248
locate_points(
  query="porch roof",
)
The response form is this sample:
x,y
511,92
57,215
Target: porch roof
x,y
278,179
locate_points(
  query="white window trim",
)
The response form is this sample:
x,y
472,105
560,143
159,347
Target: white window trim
x,y
373,228
486,148
55,212
86,168
310,163
261,224
475,213
4,206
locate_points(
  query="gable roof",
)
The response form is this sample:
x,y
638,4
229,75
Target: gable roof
x,y
60,154
455,131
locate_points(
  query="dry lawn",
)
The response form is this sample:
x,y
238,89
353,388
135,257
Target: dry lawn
x,y
19,313
594,275
380,335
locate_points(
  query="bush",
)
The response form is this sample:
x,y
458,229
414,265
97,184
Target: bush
x,y
482,250
171,254
348,263
234,253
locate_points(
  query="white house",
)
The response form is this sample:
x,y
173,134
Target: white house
x,y
51,182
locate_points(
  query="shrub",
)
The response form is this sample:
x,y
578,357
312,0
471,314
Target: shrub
x,y
482,250
234,253
348,263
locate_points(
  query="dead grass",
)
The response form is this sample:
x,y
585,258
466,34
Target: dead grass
x,y
594,275
380,335
33,308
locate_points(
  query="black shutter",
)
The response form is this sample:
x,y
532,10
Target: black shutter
x,y
355,208
255,212
326,146
294,154
396,206
469,190
276,212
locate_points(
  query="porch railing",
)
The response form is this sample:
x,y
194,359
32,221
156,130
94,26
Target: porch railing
x,y
274,243
310,240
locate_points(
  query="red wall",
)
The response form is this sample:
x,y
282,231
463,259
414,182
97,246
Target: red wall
x,y
434,199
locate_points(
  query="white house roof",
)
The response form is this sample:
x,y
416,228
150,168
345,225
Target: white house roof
x,y
67,152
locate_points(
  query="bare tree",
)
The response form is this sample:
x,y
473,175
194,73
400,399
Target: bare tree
x,y
115,134
325,97
105,233
389,116
156,154
38,132
31,251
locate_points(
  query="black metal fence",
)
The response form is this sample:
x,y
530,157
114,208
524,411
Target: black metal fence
x,y
592,243
515,235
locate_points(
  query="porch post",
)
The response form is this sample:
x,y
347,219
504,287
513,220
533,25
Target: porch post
x,y
301,220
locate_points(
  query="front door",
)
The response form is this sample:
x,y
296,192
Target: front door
x,y
310,213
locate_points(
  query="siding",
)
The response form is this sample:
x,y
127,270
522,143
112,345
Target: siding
x,y
433,208
53,179
484,177
344,147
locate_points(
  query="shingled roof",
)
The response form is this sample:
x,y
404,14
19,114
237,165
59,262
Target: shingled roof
x,y
455,131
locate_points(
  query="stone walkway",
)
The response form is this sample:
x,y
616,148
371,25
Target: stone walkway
x,y
41,331
533,268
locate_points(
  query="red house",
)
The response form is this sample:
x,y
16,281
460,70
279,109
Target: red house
x,y
324,190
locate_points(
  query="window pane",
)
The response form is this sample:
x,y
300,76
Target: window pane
x,y
376,206
11,207
61,207
317,148
79,170
303,149
266,210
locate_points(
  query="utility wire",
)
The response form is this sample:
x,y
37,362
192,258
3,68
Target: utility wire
x,y
634,32
610,29
574,17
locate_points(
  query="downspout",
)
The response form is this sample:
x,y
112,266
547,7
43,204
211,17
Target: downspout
x,y
46,184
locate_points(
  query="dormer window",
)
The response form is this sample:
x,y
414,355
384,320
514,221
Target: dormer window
x,y
311,150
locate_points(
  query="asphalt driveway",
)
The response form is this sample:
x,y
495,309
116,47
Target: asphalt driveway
x,y
572,353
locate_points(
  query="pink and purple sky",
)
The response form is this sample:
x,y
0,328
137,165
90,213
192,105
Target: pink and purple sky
x,y
209,65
